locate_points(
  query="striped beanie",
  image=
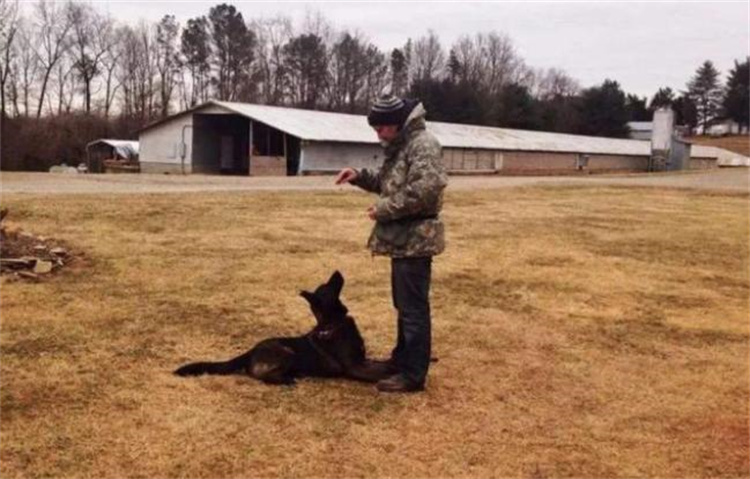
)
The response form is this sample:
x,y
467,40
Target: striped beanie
x,y
388,110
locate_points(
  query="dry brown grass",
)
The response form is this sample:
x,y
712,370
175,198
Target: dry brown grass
x,y
582,332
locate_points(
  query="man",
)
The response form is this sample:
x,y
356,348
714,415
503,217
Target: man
x,y
410,186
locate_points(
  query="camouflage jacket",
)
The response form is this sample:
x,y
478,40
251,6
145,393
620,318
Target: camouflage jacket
x,y
410,184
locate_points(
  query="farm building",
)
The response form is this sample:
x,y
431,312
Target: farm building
x,y
256,140
104,152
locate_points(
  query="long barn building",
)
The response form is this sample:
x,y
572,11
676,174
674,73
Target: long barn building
x,y
257,140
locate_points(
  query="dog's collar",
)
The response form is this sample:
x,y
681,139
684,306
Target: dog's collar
x,y
328,357
326,332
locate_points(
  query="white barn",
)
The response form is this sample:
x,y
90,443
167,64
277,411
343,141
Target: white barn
x,y
247,139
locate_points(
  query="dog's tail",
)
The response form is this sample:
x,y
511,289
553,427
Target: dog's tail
x,y
233,366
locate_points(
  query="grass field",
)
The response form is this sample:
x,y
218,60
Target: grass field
x,y
581,332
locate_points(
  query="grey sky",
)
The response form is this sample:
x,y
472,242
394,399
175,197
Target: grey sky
x,y
643,45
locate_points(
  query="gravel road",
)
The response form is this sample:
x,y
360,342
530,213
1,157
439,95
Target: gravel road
x,y
725,179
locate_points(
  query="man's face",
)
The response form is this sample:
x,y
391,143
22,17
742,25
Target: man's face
x,y
386,133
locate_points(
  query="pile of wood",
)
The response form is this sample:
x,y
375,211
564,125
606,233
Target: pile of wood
x,y
121,166
26,256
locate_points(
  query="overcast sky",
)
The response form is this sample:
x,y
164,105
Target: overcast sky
x,y
643,45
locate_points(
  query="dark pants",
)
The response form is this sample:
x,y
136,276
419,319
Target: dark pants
x,y
410,286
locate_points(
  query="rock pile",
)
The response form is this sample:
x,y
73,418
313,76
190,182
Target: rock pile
x,y
26,256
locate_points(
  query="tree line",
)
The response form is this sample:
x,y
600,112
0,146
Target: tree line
x,y
69,60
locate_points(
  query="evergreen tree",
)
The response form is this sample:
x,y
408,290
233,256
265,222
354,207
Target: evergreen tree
x,y
399,72
663,97
636,107
233,50
686,112
516,108
196,51
603,111
705,92
737,94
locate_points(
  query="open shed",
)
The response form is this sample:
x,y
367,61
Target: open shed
x,y
99,152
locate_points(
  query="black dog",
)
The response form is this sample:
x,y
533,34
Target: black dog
x,y
334,347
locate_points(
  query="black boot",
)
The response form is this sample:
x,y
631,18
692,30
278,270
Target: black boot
x,y
376,370
387,365
398,383
370,371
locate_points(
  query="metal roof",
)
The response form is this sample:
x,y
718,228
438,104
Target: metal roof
x,y
641,125
124,148
312,125
724,157
471,136
308,125
340,127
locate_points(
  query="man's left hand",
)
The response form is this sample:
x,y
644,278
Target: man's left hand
x,y
371,212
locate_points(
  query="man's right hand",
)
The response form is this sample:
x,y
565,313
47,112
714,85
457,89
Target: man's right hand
x,y
347,175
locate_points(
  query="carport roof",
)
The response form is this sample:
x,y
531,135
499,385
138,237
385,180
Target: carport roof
x,y
125,148
311,125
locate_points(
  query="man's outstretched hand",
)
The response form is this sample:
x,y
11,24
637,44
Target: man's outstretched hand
x,y
347,175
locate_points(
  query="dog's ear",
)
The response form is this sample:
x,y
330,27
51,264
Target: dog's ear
x,y
336,282
308,296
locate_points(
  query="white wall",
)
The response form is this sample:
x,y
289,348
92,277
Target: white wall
x,y
160,145
319,157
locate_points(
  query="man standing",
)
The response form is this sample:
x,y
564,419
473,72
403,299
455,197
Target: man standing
x,y
410,186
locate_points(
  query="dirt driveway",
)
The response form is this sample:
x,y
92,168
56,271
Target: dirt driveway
x,y
732,180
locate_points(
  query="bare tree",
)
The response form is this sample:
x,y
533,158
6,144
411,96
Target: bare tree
x,y
487,61
147,73
503,66
25,69
428,57
8,31
466,61
408,52
91,40
53,26
315,23
127,51
377,75
136,71
552,83
63,85
348,69
305,61
13,94
273,34
167,61
111,37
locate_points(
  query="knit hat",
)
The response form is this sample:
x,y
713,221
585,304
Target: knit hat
x,y
387,110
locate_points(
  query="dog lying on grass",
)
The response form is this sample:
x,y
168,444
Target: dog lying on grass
x,y
333,348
